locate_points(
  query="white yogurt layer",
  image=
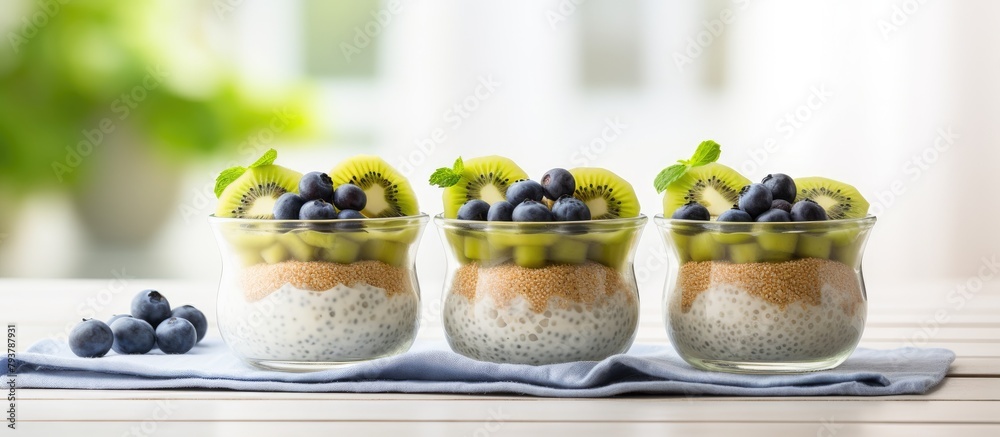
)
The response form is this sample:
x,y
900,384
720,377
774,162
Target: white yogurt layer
x,y
562,333
727,323
341,324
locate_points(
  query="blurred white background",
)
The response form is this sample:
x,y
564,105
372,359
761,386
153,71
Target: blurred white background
x,y
897,97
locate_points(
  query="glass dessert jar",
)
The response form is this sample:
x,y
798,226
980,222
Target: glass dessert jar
x,y
540,293
765,297
300,295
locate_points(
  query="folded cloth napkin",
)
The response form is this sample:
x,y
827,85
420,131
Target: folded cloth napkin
x,y
430,367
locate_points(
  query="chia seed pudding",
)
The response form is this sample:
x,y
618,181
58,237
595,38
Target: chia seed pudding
x,y
320,312
796,311
554,314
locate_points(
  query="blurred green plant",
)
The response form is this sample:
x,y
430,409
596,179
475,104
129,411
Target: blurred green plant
x,y
76,72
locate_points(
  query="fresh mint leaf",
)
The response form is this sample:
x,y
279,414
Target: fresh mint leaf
x,y
445,177
227,177
707,153
668,175
269,156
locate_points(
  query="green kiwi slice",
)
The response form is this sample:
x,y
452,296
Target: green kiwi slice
x,y
252,195
606,194
485,178
814,246
840,200
389,193
705,248
714,186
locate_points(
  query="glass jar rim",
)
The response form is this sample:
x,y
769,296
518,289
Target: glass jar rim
x,y
361,223
667,223
608,224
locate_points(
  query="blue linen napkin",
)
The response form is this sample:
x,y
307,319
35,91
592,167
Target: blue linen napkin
x,y
430,367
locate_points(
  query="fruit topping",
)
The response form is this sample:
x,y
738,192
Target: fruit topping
x,y
755,199
532,211
287,206
774,215
350,196
524,190
474,209
807,211
692,211
316,185
557,183
501,211
570,209
781,185
486,178
387,192
735,215
317,210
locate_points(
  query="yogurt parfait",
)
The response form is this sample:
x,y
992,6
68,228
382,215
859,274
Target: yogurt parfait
x,y
318,270
533,280
766,277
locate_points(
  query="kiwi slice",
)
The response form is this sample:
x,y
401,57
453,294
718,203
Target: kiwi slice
x,y
343,251
531,257
814,246
485,178
252,195
745,253
606,194
389,193
275,253
296,247
568,251
705,248
389,252
714,186
840,200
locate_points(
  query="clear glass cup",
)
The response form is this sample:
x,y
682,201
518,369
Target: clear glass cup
x,y
540,293
765,297
300,295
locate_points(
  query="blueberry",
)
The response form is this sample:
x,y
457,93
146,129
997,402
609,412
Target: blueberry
x,y
808,211
350,196
774,215
755,199
781,186
692,211
317,210
501,211
735,215
133,336
568,209
176,336
474,209
531,211
151,306
193,315
287,206
316,185
350,214
781,204
116,317
557,183
91,339
524,190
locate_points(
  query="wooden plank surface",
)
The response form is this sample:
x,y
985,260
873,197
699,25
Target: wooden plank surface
x,y
965,404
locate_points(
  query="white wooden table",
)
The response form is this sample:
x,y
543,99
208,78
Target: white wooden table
x,y
967,403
